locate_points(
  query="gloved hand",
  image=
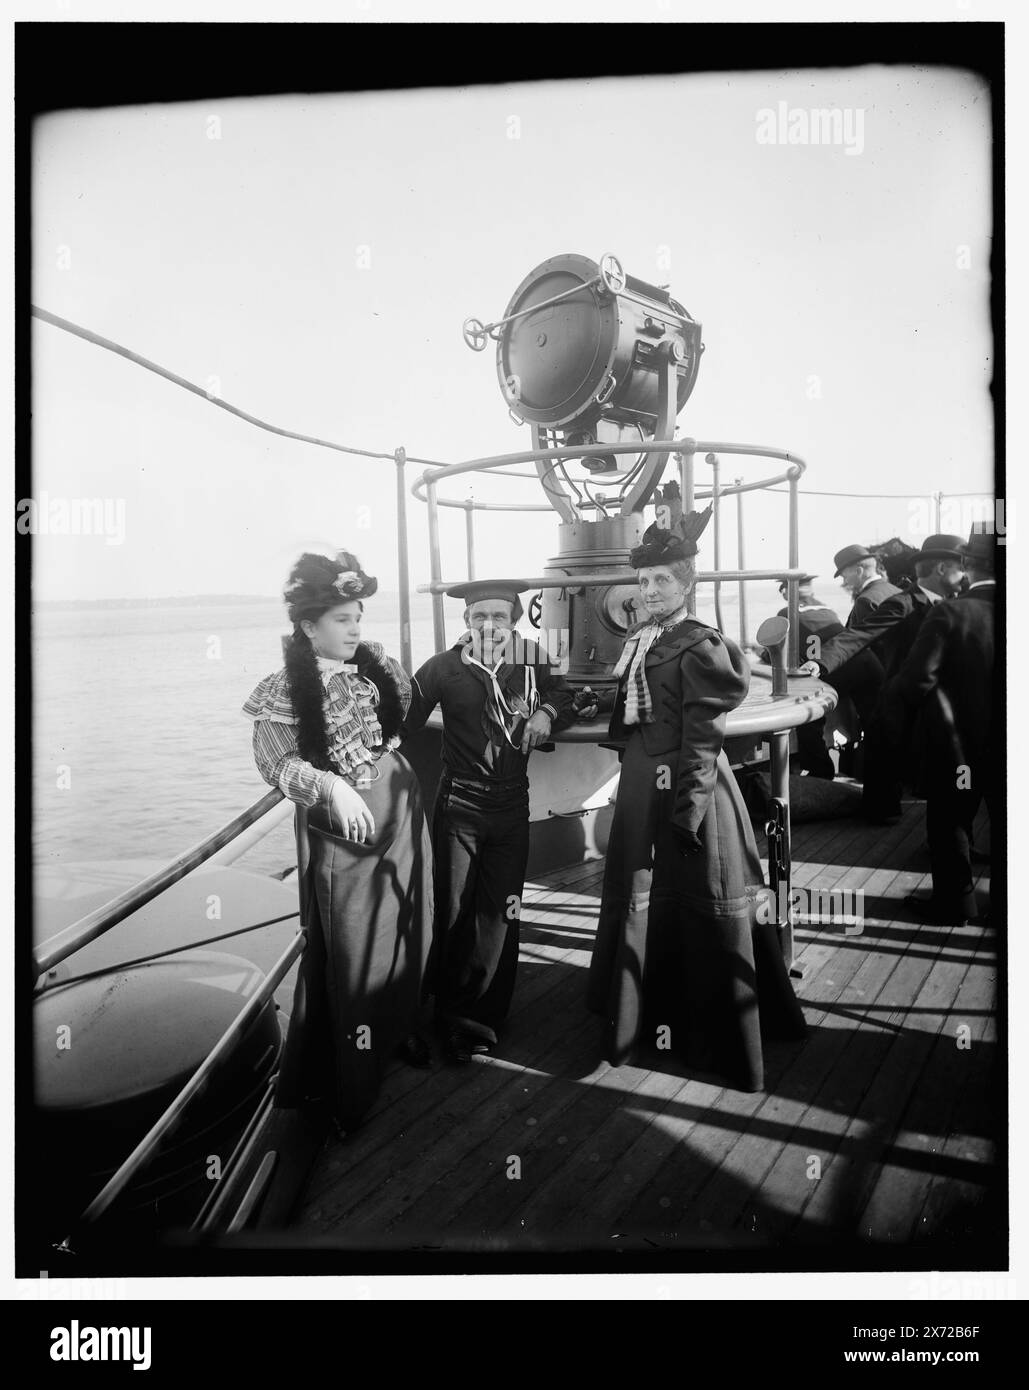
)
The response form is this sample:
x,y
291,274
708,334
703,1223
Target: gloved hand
x,y
585,703
689,842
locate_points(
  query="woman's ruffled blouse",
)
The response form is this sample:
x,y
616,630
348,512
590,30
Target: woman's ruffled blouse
x,y
351,723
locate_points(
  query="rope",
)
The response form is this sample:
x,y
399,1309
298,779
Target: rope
x,y
111,346
175,951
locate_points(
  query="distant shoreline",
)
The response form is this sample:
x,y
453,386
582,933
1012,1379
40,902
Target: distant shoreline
x,y
184,601
388,597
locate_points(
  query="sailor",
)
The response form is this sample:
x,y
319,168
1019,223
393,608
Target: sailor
x,y
946,682
500,698
813,619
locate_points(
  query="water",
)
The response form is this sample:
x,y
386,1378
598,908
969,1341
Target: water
x,y
139,746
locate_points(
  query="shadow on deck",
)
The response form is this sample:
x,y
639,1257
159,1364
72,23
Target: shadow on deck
x,y
874,1140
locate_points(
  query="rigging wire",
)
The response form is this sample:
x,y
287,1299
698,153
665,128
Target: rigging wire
x,y
90,337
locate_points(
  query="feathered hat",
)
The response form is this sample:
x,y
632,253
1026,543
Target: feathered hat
x,y
317,583
662,545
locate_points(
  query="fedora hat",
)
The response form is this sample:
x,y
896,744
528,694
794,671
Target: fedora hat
x,y
850,555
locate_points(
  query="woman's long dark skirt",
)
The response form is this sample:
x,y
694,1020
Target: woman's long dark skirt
x,y
681,966
370,910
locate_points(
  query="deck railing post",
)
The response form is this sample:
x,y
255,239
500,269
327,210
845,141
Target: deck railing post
x,y
741,564
779,769
403,571
439,635
716,494
686,464
793,640
469,535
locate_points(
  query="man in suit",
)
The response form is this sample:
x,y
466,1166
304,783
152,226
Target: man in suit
x,y
946,684
891,626
889,629
858,571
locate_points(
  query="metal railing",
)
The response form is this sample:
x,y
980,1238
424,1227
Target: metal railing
x,y
103,919
685,450
57,948
147,1148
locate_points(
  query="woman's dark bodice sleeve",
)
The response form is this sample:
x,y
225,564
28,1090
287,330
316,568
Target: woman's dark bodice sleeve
x,y
714,678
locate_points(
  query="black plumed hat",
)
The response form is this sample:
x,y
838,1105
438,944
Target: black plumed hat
x,y
319,582
663,545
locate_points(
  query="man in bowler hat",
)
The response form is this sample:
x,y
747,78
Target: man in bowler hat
x,y
858,570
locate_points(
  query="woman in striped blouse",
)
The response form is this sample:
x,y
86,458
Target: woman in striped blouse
x,y
326,733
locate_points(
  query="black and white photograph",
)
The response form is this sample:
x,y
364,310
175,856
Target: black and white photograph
x,y
510,740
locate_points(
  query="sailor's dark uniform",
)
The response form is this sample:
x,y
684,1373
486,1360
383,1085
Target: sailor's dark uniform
x,y
480,832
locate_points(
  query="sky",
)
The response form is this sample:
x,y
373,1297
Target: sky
x,y
311,260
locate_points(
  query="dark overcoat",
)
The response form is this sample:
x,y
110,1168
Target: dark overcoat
x,y
869,599
889,630
945,685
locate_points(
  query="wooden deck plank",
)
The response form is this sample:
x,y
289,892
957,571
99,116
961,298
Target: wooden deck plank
x,y
878,1068
780,1112
618,1156
829,1089
829,950
937,1108
507,1210
445,1102
951,1204
482,1156
465,1156
403,1098
755,1154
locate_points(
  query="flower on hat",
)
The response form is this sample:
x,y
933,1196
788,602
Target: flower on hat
x,y
348,582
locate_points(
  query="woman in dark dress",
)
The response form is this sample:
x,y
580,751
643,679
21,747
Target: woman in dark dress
x,y
682,966
326,733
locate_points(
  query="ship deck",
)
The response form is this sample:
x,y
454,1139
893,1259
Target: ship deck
x,y
874,1139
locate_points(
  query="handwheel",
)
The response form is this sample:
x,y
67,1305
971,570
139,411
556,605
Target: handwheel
x,y
611,273
475,334
536,609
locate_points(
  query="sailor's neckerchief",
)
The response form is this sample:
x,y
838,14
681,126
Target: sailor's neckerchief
x,y
498,716
638,706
